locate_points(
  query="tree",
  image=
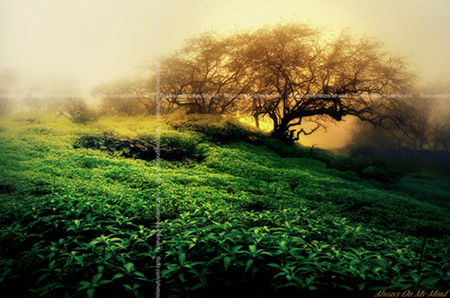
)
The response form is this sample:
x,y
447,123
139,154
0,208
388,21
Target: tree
x,y
427,127
289,72
8,80
77,111
208,75
321,80
127,96
43,93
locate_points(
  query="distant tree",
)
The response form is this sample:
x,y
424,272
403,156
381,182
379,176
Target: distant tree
x,y
368,135
77,111
442,134
44,93
127,96
8,81
426,126
38,104
207,75
421,120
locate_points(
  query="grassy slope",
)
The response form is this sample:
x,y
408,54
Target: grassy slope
x,y
76,217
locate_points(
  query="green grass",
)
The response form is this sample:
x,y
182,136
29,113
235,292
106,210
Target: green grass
x,y
264,218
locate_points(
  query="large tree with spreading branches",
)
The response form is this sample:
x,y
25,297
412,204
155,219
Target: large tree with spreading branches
x,y
291,72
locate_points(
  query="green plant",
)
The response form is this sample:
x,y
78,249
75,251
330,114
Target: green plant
x,y
94,283
243,217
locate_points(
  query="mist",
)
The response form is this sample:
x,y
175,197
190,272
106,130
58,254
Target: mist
x,y
87,43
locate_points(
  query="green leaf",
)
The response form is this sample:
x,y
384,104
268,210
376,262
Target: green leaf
x,y
139,274
226,262
136,285
90,293
42,277
429,281
52,263
361,286
236,249
248,264
182,258
128,287
213,260
129,267
79,260
274,265
93,242
345,287
118,275
376,270
96,278
105,281
279,274
309,280
85,283
396,269
192,270
416,279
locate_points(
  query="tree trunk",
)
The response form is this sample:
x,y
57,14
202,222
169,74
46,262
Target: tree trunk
x,y
256,120
281,131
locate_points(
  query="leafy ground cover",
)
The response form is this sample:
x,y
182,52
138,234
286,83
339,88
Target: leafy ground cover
x,y
254,217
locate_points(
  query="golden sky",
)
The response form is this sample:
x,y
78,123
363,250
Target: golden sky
x,y
95,40
101,39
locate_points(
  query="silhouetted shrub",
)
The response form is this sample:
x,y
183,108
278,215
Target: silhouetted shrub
x,y
77,111
381,173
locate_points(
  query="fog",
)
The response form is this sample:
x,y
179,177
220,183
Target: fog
x,y
92,41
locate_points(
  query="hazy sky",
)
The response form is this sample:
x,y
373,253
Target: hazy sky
x,y
93,40
103,39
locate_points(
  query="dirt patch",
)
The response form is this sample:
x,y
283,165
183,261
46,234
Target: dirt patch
x,y
135,148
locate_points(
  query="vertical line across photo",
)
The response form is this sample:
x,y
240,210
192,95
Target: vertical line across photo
x,y
158,148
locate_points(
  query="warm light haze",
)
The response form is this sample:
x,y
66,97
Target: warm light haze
x,y
87,42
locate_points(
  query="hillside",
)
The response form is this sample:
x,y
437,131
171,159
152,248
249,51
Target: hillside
x,y
240,214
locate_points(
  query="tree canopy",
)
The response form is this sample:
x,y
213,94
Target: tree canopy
x,y
207,75
290,72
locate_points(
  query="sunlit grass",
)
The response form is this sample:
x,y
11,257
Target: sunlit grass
x,y
244,215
